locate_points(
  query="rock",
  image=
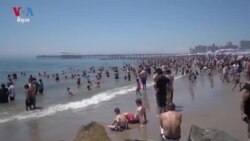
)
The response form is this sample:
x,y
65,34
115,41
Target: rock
x,y
199,134
92,132
134,140
137,140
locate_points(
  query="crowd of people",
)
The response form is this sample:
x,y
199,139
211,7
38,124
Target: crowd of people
x,y
32,88
232,69
7,93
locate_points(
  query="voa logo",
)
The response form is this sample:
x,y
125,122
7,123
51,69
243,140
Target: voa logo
x,y
23,14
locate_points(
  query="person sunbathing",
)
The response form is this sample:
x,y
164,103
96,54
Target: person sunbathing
x,y
139,116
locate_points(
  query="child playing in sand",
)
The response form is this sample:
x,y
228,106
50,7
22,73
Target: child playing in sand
x,y
138,88
120,122
70,92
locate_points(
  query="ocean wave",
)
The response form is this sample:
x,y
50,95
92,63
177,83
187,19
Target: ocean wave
x,y
53,109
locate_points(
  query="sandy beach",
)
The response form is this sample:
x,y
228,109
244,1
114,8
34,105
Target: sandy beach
x,y
66,64
202,105
207,103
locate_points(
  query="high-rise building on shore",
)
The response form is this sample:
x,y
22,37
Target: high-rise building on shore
x,y
244,44
213,47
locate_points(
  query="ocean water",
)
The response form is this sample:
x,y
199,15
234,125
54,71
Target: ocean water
x,y
34,66
55,98
78,103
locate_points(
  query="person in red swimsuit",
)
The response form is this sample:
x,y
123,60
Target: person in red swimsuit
x,y
139,116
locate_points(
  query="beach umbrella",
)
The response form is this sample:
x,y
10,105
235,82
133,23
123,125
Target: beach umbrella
x,y
240,57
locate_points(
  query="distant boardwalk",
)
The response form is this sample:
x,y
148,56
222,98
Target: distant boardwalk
x,y
110,56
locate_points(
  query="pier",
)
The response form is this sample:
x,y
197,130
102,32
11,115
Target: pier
x,y
110,56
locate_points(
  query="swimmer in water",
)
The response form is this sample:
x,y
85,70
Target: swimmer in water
x,y
88,87
78,80
70,92
98,84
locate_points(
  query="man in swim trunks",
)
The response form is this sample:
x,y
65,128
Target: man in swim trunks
x,y
139,116
78,81
120,122
33,88
162,83
170,123
12,92
171,85
28,95
143,76
245,105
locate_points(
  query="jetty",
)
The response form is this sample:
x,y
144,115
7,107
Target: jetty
x,y
109,56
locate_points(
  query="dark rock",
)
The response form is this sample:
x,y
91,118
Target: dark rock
x,y
199,134
134,140
92,132
137,140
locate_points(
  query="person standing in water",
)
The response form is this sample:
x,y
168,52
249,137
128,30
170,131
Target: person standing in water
x,y
28,96
129,76
116,73
57,78
12,92
4,94
98,83
143,76
78,80
36,83
40,86
89,85
33,88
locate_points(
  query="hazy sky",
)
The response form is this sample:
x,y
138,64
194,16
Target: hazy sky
x,y
121,26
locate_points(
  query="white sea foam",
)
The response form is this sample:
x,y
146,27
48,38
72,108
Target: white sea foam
x,y
53,109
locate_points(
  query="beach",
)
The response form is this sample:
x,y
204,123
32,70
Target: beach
x,y
66,64
208,107
207,103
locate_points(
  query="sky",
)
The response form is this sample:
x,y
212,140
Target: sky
x,y
120,26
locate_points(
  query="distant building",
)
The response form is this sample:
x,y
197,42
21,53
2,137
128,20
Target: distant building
x,y
213,47
244,44
229,45
203,49
198,49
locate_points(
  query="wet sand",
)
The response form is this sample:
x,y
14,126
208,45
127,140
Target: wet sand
x,y
208,103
